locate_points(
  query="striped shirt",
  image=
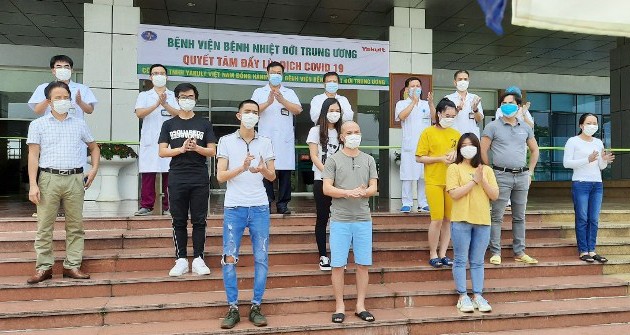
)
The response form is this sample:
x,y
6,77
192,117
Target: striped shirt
x,y
61,142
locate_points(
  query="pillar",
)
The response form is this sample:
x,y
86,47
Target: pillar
x,y
620,105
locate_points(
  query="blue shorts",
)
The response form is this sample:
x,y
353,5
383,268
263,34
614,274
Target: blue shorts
x,y
345,234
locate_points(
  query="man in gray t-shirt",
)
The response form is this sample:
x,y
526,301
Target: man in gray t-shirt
x,y
350,178
507,140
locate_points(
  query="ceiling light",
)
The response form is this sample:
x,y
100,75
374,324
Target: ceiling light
x,y
461,25
528,52
190,4
333,16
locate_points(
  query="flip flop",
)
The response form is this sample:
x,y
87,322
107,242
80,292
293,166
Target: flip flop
x,y
365,316
587,258
600,258
338,317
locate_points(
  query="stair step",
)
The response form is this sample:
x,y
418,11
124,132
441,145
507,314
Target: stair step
x,y
614,328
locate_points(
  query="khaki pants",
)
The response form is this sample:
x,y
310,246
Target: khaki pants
x,y
53,189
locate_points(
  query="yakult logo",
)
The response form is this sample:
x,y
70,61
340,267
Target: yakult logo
x,y
373,49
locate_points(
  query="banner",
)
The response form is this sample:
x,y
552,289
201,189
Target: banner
x,y
230,57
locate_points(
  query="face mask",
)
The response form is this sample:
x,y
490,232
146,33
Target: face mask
x,y
509,109
468,151
275,79
333,117
63,74
186,104
462,85
332,87
416,92
590,129
159,80
62,106
352,141
447,122
249,120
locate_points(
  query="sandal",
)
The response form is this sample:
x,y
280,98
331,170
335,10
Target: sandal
x,y
599,258
365,316
587,258
435,262
338,317
447,261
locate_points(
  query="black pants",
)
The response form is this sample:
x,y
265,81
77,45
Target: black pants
x,y
284,189
322,207
182,198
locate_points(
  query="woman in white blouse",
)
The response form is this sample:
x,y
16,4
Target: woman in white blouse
x,y
585,154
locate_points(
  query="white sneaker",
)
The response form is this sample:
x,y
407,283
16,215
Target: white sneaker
x,y
324,263
199,267
465,305
181,267
481,304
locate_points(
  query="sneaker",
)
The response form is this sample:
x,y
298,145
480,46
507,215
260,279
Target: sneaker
x,y
181,267
256,316
465,305
424,209
324,263
446,261
495,259
144,211
405,209
526,259
231,318
166,212
481,304
199,267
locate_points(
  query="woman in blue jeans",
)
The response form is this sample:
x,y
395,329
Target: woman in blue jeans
x,y
585,154
471,185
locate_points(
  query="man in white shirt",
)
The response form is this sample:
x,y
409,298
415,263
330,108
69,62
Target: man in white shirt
x,y
468,105
331,85
278,106
154,107
523,114
414,115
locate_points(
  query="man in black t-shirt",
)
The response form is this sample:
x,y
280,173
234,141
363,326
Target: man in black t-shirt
x,y
189,140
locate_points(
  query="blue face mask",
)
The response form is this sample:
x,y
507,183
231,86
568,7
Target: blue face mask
x,y
417,92
509,109
275,79
332,87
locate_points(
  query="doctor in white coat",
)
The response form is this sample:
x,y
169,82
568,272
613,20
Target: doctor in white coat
x,y
469,110
414,115
154,107
278,106
331,85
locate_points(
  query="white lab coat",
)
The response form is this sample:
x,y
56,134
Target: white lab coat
x,y
86,95
463,122
148,158
278,127
318,101
412,127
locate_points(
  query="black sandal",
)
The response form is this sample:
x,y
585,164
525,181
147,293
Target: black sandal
x,y
365,316
338,317
587,258
600,258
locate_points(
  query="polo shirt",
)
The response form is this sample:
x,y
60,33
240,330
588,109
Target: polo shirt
x,y
246,189
62,143
318,101
509,143
86,95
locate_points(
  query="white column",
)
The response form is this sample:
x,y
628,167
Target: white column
x,y
410,51
110,60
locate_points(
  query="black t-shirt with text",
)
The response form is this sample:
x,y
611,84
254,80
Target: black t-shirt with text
x,y
189,167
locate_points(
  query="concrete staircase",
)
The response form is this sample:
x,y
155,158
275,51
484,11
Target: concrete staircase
x,y
130,291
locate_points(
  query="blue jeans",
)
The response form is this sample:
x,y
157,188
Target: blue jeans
x,y
587,201
235,220
469,245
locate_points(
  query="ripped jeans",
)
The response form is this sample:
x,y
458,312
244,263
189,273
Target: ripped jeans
x,y
235,219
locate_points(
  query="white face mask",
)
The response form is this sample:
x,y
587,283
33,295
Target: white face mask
x,y
333,117
447,122
158,80
249,120
462,85
590,129
62,106
63,74
468,151
352,141
186,104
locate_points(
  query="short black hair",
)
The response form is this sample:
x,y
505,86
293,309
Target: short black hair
x,y
183,87
248,101
329,74
157,65
410,79
519,100
56,84
443,104
274,64
460,71
60,58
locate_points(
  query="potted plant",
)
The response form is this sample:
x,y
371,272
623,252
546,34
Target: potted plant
x,y
109,150
117,156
